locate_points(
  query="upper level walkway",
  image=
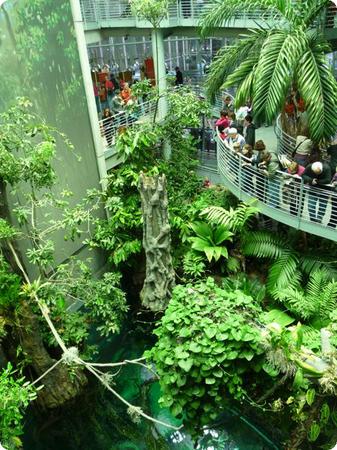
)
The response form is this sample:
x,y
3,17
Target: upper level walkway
x,y
281,197
102,14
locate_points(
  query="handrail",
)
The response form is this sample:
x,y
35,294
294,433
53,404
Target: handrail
x,y
111,126
282,196
96,12
286,144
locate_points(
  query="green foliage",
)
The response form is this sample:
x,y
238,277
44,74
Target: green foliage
x,y
209,240
205,348
237,219
138,142
290,50
287,264
104,301
6,230
15,396
10,284
186,108
153,11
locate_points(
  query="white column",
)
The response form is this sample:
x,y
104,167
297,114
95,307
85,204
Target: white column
x,y
87,81
158,52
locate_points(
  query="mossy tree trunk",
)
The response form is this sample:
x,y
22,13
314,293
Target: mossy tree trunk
x,y
160,278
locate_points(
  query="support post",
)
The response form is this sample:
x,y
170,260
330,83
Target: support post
x,y
87,81
160,73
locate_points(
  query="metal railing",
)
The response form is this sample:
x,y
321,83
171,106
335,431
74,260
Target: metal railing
x,y
98,11
111,126
281,196
95,12
286,144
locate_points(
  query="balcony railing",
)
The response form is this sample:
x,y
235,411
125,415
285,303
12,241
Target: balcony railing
x,y
101,12
282,197
111,126
98,13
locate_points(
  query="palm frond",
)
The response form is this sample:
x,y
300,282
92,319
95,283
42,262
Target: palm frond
x,y
223,12
274,72
245,89
235,218
263,244
229,58
318,89
312,10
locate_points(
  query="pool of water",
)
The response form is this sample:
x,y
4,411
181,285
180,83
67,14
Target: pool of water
x,y
98,421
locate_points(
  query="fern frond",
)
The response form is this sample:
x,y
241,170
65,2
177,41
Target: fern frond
x,y
297,302
327,301
263,244
283,272
310,263
236,219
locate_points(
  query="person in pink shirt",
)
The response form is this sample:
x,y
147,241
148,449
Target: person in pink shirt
x,y
224,120
295,169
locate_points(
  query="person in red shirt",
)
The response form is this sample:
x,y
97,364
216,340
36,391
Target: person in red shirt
x,y
224,120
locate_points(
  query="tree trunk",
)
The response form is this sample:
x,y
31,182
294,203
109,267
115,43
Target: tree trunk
x,y
59,386
160,277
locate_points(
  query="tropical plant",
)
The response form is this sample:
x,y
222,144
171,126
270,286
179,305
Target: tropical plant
x,y
315,302
287,263
206,346
209,240
15,396
288,49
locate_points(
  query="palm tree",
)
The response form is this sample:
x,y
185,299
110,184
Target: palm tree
x,y
288,49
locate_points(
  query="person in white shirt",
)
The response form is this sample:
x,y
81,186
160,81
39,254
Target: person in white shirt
x,y
234,137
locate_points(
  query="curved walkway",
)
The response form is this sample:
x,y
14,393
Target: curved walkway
x,y
283,197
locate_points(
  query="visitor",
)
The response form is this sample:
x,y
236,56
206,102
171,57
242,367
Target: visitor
x,y
136,71
108,125
269,165
221,132
224,120
246,165
302,150
228,104
232,137
249,130
125,94
96,94
317,175
293,186
110,88
241,113
103,96
179,77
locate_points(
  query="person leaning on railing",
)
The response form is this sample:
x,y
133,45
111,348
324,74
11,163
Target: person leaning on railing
x,y
317,174
269,165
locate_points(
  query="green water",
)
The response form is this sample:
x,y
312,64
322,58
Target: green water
x,y
98,421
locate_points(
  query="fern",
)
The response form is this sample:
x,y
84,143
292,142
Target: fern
x,y
263,244
236,219
283,272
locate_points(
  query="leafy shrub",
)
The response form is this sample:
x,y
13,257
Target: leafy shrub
x,y
205,347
